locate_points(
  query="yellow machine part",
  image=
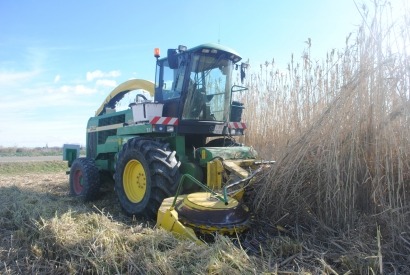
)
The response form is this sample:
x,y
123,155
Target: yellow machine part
x,y
135,181
216,167
203,213
235,167
214,170
167,219
125,87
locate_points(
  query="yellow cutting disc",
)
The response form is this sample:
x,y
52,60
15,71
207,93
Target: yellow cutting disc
x,y
205,213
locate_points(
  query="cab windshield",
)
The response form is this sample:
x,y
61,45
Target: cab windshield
x,y
208,96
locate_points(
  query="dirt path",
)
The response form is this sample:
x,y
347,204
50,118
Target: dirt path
x,y
26,159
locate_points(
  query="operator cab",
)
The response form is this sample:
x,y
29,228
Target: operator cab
x,y
196,87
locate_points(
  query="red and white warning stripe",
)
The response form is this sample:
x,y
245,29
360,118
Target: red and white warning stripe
x,y
164,120
236,125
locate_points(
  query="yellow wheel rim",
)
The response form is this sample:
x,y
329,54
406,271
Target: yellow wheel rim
x,y
134,181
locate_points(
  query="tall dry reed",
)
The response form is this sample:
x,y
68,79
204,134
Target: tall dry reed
x,y
339,130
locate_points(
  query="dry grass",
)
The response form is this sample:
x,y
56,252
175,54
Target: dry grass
x,y
339,131
44,231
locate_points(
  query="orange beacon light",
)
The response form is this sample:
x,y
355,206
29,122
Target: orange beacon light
x,y
156,52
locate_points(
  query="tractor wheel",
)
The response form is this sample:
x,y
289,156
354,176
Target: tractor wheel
x,y
146,173
84,179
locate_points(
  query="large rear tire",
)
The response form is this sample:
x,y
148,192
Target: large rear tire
x,y
84,179
146,173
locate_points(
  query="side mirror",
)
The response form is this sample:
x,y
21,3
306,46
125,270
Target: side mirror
x,y
244,66
172,58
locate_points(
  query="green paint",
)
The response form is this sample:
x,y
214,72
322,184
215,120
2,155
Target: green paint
x,y
206,154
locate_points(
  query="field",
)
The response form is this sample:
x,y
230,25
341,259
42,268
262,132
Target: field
x,y
335,202
44,230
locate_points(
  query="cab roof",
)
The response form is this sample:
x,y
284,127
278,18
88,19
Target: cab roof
x,y
212,46
208,47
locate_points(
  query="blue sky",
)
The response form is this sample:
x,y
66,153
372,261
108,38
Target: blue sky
x,y
60,59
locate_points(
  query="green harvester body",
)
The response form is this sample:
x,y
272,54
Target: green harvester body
x,y
177,144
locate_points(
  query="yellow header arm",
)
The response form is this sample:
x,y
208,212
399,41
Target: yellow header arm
x,y
118,93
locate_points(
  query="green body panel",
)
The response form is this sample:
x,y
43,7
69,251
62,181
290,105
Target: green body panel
x,y
112,144
139,129
193,160
206,154
178,144
194,170
71,156
70,153
98,121
105,164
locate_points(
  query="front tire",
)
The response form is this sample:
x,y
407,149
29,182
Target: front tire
x,y
84,179
146,173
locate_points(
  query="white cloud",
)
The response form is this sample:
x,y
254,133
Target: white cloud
x,y
13,78
57,78
81,90
100,74
95,74
106,83
77,89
